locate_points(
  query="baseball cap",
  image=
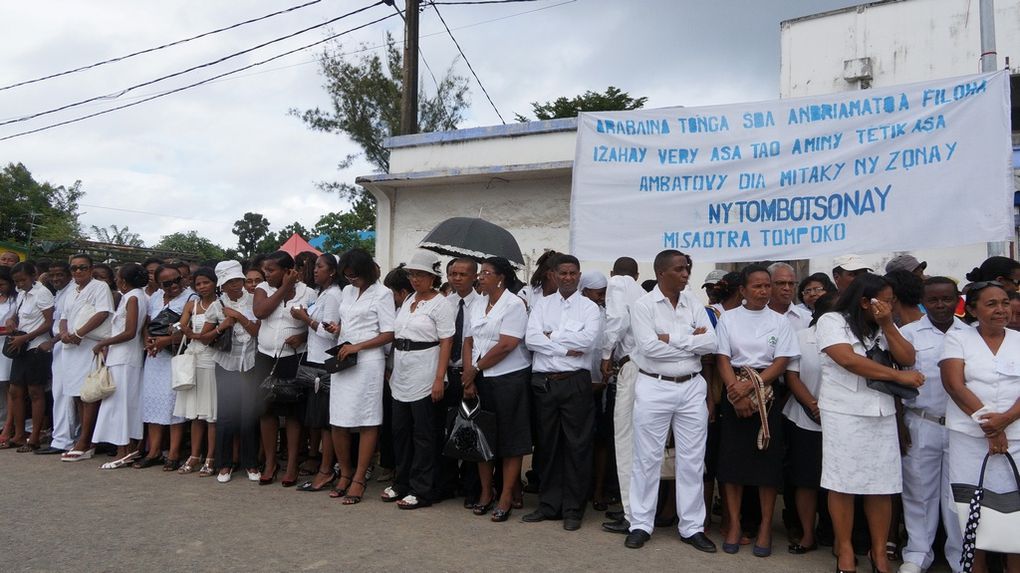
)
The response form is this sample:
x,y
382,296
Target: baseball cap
x,y
714,277
850,263
907,263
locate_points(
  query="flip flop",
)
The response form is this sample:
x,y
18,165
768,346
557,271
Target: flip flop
x,y
10,444
78,455
411,501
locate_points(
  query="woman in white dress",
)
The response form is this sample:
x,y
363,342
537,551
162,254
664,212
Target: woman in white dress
x,y
87,320
158,396
120,414
981,372
30,371
860,447
281,342
7,309
367,312
198,404
423,338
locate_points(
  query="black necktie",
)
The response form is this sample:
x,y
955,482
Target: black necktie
x,y
458,334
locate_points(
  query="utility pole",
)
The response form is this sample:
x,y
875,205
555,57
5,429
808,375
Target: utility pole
x,y
409,104
989,63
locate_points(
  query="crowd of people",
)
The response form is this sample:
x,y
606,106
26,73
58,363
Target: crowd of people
x,y
858,397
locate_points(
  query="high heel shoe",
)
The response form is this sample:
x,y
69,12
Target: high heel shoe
x,y
838,570
501,515
480,509
263,480
874,569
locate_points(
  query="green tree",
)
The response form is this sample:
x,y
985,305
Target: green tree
x,y
342,229
612,100
117,236
37,211
191,242
250,230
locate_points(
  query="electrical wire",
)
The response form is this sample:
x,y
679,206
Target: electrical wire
x,y
442,109
150,50
93,206
191,69
466,61
196,84
470,2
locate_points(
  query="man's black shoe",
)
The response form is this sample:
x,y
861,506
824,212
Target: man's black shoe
x,y
619,526
699,541
615,515
48,451
636,539
536,516
571,523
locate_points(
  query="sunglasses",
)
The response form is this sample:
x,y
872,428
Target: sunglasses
x,y
171,282
79,268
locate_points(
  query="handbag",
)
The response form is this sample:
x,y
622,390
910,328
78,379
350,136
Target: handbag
x,y
162,324
278,389
334,365
224,341
98,383
762,396
472,431
10,351
312,378
85,314
989,520
182,370
883,357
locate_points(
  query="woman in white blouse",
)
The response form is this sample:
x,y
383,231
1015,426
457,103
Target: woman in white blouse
x,y
860,446
423,338
30,371
198,403
8,293
120,414
981,372
497,369
355,398
281,343
323,320
754,336
87,320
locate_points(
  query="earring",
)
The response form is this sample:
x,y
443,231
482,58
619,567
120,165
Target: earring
x,y
499,285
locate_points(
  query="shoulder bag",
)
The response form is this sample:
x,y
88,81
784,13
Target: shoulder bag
x,y
989,520
224,341
182,370
98,383
762,396
883,357
472,433
278,389
10,351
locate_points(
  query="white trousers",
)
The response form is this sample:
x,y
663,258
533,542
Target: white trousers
x,y
925,487
658,407
623,428
65,416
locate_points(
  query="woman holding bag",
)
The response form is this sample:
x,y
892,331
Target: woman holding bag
x,y
120,414
981,372
860,446
30,371
198,403
494,344
86,321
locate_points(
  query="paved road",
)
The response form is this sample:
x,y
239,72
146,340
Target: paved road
x,y
62,516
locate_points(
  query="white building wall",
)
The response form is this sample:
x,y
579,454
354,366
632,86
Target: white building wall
x,y
906,41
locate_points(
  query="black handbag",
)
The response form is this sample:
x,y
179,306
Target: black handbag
x,y
883,357
280,390
11,352
224,341
312,378
472,433
163,323
334,365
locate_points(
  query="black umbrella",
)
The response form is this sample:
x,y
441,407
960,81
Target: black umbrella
x,y
474,238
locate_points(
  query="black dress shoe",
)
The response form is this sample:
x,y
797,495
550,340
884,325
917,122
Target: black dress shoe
x,y
48,451
619,526
615,515
636,539
571,523
535,517
699,541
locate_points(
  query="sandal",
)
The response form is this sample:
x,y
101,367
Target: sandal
x,y
117,464
340,491
412,501
188,465
27,447
390,495
147,463
207,468
310,485
171,465
354,499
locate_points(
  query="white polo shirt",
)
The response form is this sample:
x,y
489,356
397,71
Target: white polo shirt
x,y
30,307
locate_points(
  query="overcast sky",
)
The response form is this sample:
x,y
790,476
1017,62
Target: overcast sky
x,y
199,159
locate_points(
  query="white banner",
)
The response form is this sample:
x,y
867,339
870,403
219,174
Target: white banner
x,y
891,169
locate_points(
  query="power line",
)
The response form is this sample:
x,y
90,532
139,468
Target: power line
x,y
469,2
196,84
169,45
191,69
153,214
466,61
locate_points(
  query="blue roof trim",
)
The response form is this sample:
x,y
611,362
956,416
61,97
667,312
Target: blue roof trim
x,y
487,132
493,170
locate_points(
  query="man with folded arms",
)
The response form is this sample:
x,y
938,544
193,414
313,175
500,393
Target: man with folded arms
x,y
562,330
672,332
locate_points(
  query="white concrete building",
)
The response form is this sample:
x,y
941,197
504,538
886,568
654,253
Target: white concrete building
x,y
518,176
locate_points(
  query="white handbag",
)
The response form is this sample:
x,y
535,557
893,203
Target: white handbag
x,y
989,520
98,383
182,370
85,314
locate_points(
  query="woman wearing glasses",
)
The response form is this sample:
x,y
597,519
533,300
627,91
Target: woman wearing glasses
x,y
158,396
981,372
1002,270
812,288
87,320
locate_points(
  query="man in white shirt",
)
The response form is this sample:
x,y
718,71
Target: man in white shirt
x,y
561,333
453,475
617,348
65,423
925,465
784,286
672,332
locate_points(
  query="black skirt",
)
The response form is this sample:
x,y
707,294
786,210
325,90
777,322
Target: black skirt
x,y
286,367
740,460
507,396
804,455
317,403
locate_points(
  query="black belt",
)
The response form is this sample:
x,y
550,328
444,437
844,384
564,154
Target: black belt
x,y
676,379
622,361
556,376
406,345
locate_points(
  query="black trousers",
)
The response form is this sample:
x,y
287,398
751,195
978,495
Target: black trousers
x,y
565,415
414,445
387,458
453,474
237,415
